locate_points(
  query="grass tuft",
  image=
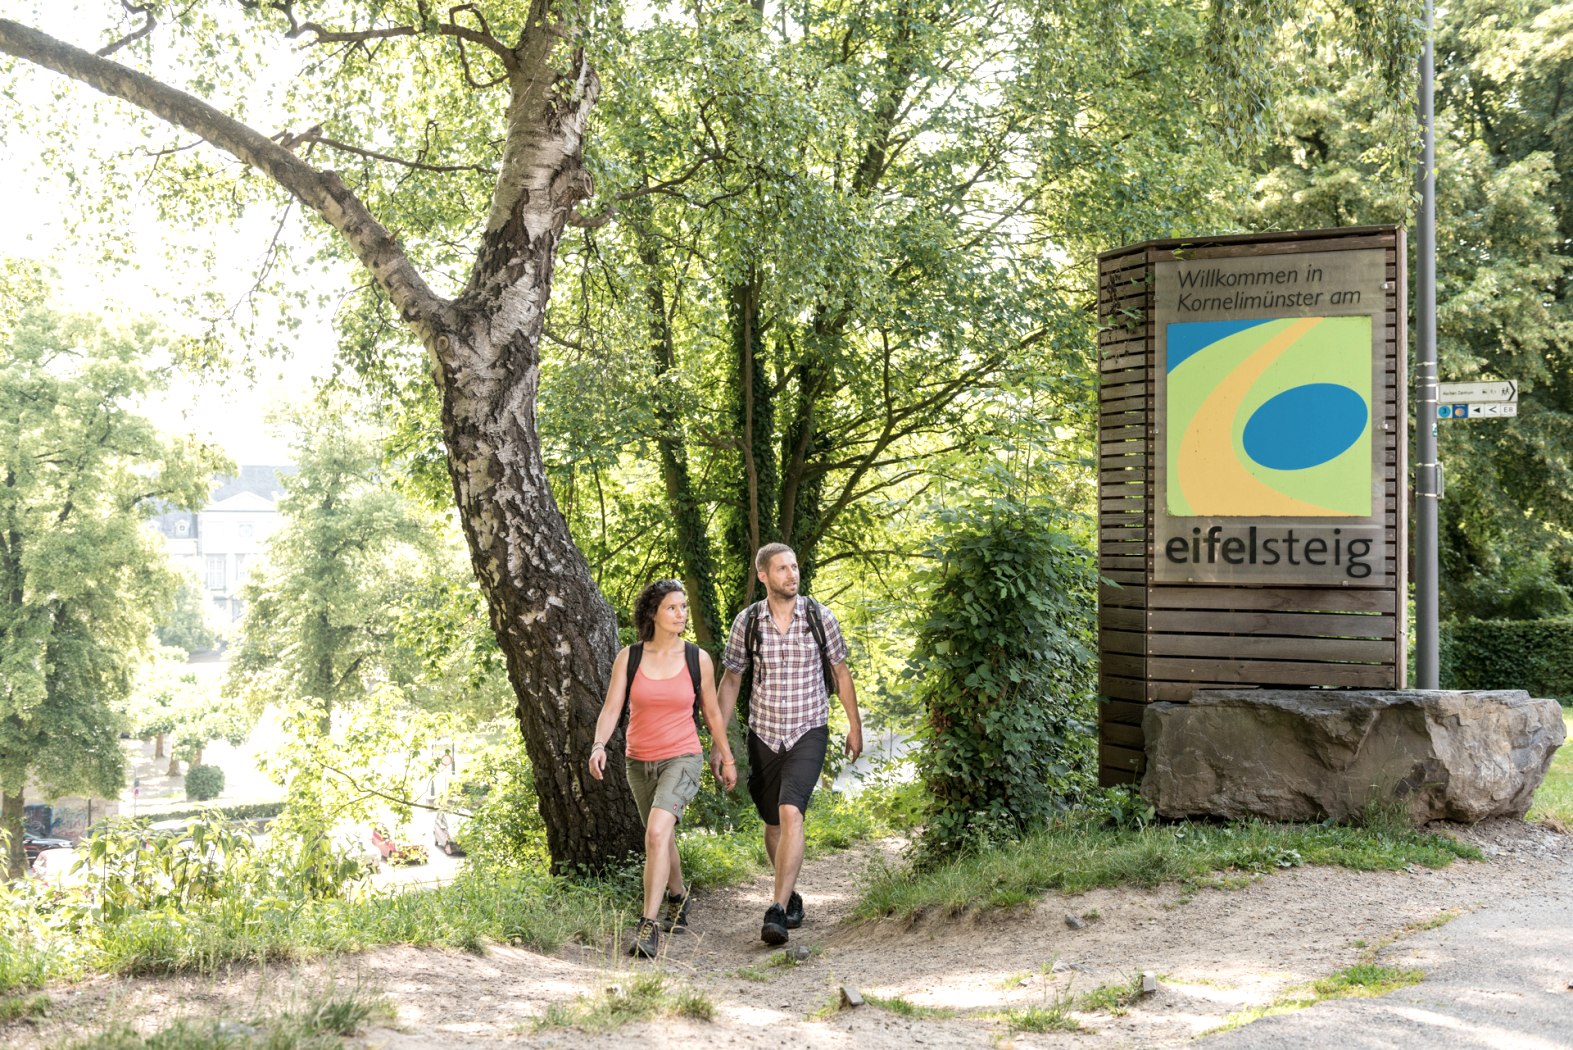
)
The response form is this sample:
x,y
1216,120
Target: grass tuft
x,y
1112,999
1075,855
23,1007
641,997
897,1005
1054,1018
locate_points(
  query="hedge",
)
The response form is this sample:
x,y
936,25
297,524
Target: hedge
x,y
1533,655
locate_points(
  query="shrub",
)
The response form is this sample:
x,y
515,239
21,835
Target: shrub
x,y
1005,670
1535,655
204,782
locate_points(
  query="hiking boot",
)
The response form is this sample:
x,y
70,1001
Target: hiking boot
x,y
676,920
647,939
794,911
774,931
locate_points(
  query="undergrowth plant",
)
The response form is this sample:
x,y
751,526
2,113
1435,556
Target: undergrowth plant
x,y
1005,670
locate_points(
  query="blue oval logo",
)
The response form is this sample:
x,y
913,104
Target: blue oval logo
x,y
1305,426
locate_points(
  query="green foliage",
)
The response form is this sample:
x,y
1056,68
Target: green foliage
x,y
1004,668
82,580
186,625
1534,655
204,782
1504,157
1078,853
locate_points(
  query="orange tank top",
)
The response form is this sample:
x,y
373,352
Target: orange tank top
x,y
661,717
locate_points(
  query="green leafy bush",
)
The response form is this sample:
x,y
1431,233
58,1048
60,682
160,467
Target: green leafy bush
x,y
1534,655
204,782
1005,669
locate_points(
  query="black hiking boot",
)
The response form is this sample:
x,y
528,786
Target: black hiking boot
x,y
647,939
774,931
676,920
794,911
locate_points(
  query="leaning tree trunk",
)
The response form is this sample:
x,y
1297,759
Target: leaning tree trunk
x,y
557,633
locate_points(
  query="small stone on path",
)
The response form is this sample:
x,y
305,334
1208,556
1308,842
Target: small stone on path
x,y
850,996
1149,982
1074,921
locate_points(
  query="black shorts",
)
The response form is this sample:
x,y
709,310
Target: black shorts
x,y
785,778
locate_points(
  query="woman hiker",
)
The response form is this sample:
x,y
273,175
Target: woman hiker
x,y
665,759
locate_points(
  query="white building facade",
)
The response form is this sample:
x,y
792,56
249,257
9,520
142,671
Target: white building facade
x,y
221,542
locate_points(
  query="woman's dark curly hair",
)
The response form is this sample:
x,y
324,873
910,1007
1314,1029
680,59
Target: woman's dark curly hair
x,y
649,603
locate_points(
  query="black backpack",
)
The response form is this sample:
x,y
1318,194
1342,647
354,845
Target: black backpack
x,y
816,627
690,657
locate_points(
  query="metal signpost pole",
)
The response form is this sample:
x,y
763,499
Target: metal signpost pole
x,y
1427,473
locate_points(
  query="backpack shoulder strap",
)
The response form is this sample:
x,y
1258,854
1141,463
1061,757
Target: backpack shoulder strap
x,y
816,627
691,658
635,653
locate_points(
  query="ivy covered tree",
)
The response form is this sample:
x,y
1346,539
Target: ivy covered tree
x,y
1503,269
83,580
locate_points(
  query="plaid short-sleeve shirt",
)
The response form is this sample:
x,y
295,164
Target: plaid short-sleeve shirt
x,y
790,695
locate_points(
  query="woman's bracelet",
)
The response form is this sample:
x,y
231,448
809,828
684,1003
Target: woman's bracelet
x,y
728,762
597,747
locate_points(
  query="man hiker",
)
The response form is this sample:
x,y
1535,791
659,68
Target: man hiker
x,y
794,648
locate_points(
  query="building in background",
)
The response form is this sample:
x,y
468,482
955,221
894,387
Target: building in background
x,y
220,542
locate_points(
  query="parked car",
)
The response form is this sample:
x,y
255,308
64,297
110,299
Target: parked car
x,y
33,844
57,867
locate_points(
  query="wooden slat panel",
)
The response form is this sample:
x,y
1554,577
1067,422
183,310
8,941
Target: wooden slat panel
x,y
1122,597
1112,641
1122,619
1263,672
1322,625
1130,690
1136,563
1126,404
1111,757
1123,712
1285,599
1123,576
1241,647
1124,666
1123,549
1120,735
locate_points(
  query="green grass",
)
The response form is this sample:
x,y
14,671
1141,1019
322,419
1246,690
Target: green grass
x,y
22,1006
641,997
1554,801
1112,999
321,1025
1076,855
1054,1018
537,912
897,1005
1363,981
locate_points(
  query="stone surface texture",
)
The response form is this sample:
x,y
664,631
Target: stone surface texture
x,y
1313,754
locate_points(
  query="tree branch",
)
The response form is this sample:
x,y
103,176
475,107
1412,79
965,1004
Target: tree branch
x,y
149,23
321,191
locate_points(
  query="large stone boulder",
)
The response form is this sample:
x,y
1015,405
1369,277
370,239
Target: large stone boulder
x,y
1311,754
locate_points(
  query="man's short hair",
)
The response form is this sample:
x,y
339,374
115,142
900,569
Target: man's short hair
x,y
767,554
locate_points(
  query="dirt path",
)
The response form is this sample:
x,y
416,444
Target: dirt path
x,y
1215,951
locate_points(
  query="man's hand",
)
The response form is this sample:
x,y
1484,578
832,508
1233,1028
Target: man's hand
x,y
854,743
727,778
716,760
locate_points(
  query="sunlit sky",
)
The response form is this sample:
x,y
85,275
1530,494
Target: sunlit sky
x,y
40,209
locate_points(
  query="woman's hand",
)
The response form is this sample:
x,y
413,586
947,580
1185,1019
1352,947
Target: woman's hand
x,y
598,762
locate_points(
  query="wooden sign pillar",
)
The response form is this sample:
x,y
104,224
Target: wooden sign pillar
x,y
1252,470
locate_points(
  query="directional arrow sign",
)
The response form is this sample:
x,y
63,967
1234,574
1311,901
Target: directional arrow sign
x,y
1499,390
1478,410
